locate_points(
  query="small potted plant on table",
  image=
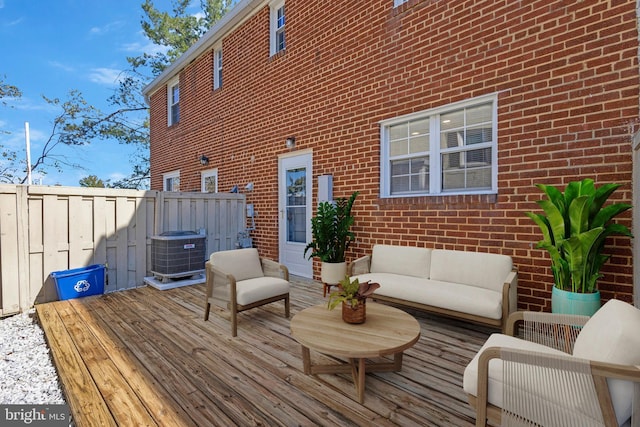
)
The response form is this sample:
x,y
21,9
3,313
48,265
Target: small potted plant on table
x,y
353,296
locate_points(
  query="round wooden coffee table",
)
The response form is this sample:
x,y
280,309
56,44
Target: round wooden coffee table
x,y
386,331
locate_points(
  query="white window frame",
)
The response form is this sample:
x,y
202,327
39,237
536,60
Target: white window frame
x,y
206,174
397,3
173,176
435,166
217,67
276,28
170,104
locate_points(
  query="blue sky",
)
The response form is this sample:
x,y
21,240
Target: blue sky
x,y
49,47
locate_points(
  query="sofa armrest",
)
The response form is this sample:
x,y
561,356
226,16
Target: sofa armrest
x,y
274,269
512,280
509,296
558,331
359,266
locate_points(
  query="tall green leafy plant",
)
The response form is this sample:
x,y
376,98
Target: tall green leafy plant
x,y
574,229
331,230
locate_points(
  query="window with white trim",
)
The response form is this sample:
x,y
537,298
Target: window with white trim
x,y
173,99
217,68
397,3
278,42
209,181
171,181
449,150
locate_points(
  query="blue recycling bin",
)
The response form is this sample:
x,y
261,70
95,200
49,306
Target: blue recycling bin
x,y
79,282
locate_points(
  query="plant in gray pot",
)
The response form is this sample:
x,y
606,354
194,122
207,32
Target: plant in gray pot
x,y
332,235
575,226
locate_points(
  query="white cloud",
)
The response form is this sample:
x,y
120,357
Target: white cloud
x,y
25,103
16,140
105,76
148,47
61,66
105,29
13,23
144,45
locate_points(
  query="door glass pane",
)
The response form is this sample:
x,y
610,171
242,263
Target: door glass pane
x,y
210,184
296,205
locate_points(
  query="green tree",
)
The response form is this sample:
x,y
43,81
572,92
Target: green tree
x,y
8,158
8,91
176,31
80,123
91,181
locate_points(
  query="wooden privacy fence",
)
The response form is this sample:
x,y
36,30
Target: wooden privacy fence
x,y
46,229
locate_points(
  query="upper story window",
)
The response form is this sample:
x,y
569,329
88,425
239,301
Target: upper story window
x,y
171,181
174,101
397,3
217,68
449,150
278,42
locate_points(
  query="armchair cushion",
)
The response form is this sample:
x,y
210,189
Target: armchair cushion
x,y
611,335
496,381
242,264
251,290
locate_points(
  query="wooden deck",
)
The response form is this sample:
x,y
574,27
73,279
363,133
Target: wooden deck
x,y
147,357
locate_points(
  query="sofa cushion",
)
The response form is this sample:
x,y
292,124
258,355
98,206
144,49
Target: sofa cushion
x,y
470,268
252,290
450,296
240,263
406,260
611,335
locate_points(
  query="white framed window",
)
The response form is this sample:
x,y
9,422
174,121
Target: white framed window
x,y
171,181
397,3
447,150
209,181
217,67
278,42
173,100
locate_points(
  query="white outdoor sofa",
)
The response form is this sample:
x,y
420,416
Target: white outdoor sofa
x,y
474,286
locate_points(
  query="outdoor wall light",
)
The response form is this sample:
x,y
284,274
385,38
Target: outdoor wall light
x,y
290,142
204,160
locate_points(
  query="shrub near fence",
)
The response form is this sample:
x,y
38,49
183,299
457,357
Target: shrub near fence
x,y
45,229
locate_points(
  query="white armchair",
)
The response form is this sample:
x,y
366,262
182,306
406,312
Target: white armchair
x,y
240,280
564,371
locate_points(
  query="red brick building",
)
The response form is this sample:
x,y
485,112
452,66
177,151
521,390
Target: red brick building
x,y
442,114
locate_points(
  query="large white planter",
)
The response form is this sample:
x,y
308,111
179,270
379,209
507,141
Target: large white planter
x,y
332,273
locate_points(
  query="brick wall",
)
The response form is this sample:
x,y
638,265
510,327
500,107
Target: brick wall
x,y
566,74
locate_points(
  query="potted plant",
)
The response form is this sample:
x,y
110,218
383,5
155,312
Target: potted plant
x,y
353,296
332,235
575,227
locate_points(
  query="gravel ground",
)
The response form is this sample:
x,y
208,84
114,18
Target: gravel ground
x,y
27,374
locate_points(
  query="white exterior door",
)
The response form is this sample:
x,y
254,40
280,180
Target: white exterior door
x,y
295,191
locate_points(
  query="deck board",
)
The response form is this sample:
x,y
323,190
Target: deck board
x,y
147,357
